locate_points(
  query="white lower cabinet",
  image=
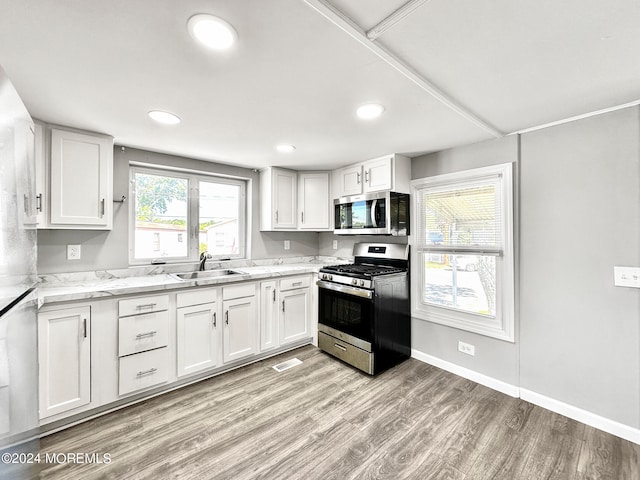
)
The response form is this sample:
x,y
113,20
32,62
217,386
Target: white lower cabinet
x,y
143,340
64,350
156,341
268,315
294,319
240,328
197,324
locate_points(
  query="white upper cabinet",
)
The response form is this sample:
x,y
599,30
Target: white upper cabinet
x,y
314,201
74,179
292,200
390,172
278,191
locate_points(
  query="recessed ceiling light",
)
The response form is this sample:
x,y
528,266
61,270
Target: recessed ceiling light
x,y
164,117
283,148
212,32
369,111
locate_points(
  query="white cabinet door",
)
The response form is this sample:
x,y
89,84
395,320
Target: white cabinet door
x,y
378,174
42,198
239,328
197,339
268,316
294,315
81,180
284,198
313,201
64,353
351,180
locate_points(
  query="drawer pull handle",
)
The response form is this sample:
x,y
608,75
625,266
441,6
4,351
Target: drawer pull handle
x,y
226,317
146,334
214,320
344,349
151,371
295,284
146,305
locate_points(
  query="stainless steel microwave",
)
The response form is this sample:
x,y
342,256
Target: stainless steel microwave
x,y
381,213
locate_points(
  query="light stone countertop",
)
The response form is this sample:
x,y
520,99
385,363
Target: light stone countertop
x,y
97,285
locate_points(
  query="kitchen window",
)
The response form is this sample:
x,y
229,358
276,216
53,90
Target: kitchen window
x,y
178,215
463,262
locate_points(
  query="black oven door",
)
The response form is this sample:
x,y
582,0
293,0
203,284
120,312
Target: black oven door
x,y
347,309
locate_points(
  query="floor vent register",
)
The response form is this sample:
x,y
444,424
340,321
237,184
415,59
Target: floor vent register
x,y
281,367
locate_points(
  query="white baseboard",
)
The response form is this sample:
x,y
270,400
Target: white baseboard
x,y
601,423
485,380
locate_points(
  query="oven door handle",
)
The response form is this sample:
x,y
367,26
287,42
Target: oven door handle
x,y
359,292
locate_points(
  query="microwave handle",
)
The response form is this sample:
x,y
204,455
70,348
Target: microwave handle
x,y
374,209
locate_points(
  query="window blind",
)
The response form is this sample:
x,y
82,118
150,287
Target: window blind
x,y
464,217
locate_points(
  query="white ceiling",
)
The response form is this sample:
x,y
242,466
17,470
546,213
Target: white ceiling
x,y
301,67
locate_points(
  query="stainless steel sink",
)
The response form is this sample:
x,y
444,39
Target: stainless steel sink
x,y
207,274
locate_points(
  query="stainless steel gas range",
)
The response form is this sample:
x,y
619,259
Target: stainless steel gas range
x,y
364,308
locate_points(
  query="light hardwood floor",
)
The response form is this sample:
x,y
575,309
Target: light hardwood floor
x,y
325,420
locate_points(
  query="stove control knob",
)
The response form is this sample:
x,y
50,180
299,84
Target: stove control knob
x,y
362,283
330,277
354,281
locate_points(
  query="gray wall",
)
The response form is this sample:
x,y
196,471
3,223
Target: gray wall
x,y
580,335
495,358
109,250
577,336
346,242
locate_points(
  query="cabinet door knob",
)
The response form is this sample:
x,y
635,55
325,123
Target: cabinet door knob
x,y
226,317
84,328
283,305
214,319
102,207
39,202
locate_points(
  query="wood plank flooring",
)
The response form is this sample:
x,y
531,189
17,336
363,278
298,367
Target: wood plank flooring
x,y
325,420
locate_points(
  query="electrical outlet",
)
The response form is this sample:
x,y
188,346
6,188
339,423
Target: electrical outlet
x,y
466,348
335,244
73,252
287,244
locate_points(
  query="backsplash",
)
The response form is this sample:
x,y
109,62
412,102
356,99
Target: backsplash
x,y
145,270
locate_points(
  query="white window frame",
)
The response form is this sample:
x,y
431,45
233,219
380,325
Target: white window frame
x,y
502,325
193,231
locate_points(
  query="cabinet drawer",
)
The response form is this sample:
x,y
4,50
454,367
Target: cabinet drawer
x,y
143,370
295,282
196,297
142,332
136,306
238,291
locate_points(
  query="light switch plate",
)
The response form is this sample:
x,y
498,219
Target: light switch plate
x,y
287,244
626,277
73,252
335,244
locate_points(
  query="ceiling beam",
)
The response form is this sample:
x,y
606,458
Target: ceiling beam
x,y
339,19
392,20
